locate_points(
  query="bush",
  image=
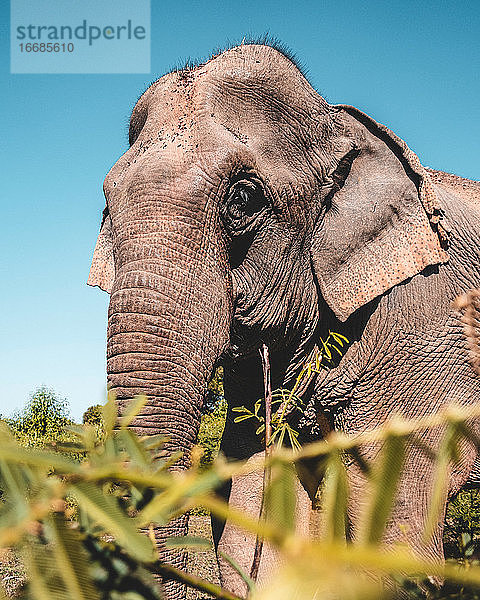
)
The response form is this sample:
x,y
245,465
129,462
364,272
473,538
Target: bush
x,y
44,419
93,415
210,433
462,525
123,485
213,420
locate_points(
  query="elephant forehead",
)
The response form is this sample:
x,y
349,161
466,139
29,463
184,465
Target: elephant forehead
x,y
249,105
260,68
164,113
157,177
253,91
160,135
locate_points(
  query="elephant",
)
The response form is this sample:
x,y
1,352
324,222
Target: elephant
x,y
249,211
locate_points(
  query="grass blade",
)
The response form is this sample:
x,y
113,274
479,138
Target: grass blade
x,y
110,413
335,497
189,541
71,561
384,480
280,495
104,510
447,453
132,411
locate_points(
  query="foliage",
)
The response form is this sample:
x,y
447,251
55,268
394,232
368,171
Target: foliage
x,y
215,394
213,419
210,433
44,416
93,415
462,532
43,421
287,401
125,484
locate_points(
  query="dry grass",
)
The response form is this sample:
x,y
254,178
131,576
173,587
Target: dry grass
x,y
12,574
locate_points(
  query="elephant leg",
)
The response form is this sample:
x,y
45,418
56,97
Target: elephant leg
x,y
412,503
245,493
173,590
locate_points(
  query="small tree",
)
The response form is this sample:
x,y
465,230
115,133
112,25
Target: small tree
x,y
45,416
93,415
462,531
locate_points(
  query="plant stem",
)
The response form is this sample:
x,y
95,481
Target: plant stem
x,y
169,572
267,384
257,555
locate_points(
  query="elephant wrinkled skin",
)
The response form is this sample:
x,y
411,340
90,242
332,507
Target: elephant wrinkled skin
x,y
248,210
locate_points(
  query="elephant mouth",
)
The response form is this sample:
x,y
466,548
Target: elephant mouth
x,y
241,347
234,352
246,341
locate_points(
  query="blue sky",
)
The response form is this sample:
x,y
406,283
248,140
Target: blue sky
x,y
412,66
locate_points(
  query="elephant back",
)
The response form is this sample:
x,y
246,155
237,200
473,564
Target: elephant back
x,y
468,189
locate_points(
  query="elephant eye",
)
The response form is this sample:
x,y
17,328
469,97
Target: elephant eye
x,y
241,211
245,199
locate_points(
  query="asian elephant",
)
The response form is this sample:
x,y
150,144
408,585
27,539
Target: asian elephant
x,y
249,211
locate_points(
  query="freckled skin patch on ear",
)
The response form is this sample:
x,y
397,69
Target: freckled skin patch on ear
x,y
395,230
425,188
102,271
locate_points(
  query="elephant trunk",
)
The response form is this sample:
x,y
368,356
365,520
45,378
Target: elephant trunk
x,y
168,323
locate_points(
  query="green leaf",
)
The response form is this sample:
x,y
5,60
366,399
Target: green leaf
x,y
135,450
260,429
447,453
105,511
384,480
326,350
161,464
280,495
36,458
189,541
70,560
338,337
278,436
44,580
133,410
110,413
13,482
337,350
335,497
293,437
165,505
242,418
241,409
152,442
233,563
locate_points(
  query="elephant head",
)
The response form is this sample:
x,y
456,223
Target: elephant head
x,y
245,209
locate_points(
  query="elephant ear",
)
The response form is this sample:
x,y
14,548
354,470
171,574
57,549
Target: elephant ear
x,y
102,271
381,224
